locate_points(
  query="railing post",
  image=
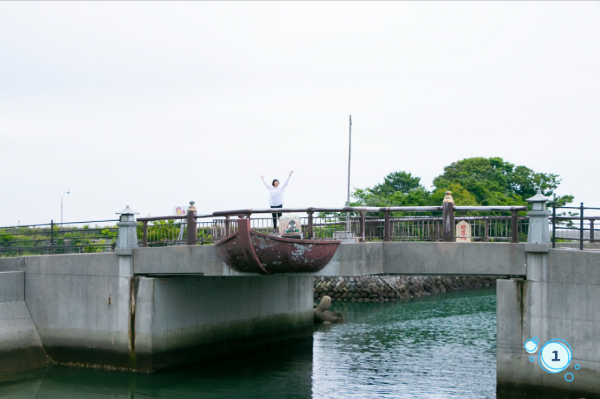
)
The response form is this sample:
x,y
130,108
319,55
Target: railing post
x,y
362,227
309,233
227,225
486,230
514,233
592,238
554,224
581,227
386,227
145,234
448,218
191,224
51,237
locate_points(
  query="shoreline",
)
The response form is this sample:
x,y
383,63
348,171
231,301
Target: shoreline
x,y
380,289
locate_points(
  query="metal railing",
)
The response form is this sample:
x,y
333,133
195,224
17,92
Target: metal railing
x,y
57,238
575,227
322,223
432,223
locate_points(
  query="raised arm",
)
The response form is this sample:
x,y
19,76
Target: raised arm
x,y
287,180
263,180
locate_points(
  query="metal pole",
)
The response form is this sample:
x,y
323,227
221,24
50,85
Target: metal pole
x,y
362,227
310,226
554,224
514,236
386,227
144,234
191,227
52,237
349,158
581,227
61,205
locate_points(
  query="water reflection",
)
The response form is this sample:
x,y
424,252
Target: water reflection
x,y
279,373
437,347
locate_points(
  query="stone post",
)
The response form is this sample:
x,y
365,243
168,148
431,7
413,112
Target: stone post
x,y
448,218
191,224
539,230
126,242
127,229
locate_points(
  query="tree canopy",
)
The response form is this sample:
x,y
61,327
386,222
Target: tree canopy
x,y
473,181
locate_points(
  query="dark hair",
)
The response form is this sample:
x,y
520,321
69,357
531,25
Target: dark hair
x,y
274,180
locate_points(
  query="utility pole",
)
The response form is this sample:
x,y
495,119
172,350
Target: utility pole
x,y
349,158
61,206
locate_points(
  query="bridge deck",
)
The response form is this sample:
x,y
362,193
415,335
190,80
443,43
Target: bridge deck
x,y
410,258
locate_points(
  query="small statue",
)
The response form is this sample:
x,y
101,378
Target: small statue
x,y
322,314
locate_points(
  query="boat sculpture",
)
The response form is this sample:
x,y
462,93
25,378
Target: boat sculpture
x,y
252,252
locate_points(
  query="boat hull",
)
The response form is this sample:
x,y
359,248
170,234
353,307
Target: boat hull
x,y
251,252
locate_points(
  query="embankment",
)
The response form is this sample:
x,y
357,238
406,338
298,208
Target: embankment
x,y
393,288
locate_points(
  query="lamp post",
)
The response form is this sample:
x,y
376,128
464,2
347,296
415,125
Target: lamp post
x,y
61,205
349,157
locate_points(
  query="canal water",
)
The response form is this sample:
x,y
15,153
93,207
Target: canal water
x,y
443,346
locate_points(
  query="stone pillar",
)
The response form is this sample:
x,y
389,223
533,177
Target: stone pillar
x,y
126,242
448,218
539,230
127,229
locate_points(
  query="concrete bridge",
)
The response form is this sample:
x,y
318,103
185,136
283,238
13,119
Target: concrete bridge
x,y
147,309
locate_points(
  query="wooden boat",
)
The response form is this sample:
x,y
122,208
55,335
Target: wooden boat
x,y
249,251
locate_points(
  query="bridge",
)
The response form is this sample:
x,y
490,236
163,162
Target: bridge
x,y
145,309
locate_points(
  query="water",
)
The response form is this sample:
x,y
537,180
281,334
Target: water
x,y
443,346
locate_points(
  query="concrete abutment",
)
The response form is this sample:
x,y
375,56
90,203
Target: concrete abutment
x,y
560,299
90,311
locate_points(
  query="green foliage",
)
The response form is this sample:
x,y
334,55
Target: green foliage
x,y
492,181
460,195
397,182
473,181
28,240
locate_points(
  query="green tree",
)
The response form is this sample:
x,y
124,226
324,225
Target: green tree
x,y
397,182
493,181
461,196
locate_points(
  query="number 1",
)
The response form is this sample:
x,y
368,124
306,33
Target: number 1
x,y
556,359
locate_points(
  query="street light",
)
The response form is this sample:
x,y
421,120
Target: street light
x,y
61,205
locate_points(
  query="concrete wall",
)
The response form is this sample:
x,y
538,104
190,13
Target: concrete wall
x,y
90,311
186,319
364,259
81,307
559,299
438,258
20,345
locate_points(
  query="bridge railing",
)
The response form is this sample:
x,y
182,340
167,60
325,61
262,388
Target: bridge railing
x,y
58,238
574,225
323,223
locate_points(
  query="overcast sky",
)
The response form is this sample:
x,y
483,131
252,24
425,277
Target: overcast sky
x,y
154,104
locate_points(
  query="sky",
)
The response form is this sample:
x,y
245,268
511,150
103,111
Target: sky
x,y
155,104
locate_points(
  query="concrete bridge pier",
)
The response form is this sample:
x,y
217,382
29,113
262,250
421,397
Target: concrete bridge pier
x,y
96,311
559,299
102,316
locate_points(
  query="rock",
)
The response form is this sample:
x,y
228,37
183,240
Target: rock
x,y
322,314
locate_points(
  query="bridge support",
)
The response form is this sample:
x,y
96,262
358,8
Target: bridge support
x,y
93,311
558,300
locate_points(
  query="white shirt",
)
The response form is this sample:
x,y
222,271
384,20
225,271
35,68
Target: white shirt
x,y
276,193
